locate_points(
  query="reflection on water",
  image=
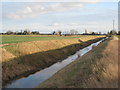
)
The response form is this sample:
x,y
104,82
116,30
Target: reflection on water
x,y
35,79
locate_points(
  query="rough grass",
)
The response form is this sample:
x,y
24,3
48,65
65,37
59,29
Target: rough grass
x,y
25,63
96,69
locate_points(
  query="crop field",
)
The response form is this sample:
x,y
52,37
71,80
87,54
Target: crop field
x,y
6,39
17,38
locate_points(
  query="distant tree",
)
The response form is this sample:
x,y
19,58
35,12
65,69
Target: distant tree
x,y
76,32
73,32
15,32
53,33
108,33
93,33
113,32
59,32
35,32
118,32
26,32
9,32
99,33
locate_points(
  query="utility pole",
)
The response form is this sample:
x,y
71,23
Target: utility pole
x,y
85,31
21,31
113,24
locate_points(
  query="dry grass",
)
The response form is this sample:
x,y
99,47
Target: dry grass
x,y
96,69
5,55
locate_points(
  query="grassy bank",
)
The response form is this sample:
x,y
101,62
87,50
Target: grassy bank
x,y
96,69
11,51
24,63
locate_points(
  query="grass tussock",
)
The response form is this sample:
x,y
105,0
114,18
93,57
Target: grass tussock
x,y
96,69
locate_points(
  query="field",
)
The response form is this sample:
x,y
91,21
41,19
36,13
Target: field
x,y
27,57
25,48
25,38
96,69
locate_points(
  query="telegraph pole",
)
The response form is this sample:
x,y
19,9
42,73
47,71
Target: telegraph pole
x,y
85,31
113,24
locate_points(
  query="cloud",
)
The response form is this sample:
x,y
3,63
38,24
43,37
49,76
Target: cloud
x,y
35,10
26,12
92,1
90,26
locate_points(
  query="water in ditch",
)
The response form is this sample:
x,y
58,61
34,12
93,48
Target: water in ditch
x,y
35,79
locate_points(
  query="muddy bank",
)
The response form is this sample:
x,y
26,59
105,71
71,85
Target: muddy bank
x,y
27,64
96,69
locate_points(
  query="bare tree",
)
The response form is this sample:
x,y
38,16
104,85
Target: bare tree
x,y
26,32
59,32
73,32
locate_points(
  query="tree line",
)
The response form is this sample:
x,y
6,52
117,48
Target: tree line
x,y
59,32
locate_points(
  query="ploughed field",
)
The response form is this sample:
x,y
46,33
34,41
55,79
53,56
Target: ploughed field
x,y
23,55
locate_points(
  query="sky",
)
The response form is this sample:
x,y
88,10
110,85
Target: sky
x,y
94,16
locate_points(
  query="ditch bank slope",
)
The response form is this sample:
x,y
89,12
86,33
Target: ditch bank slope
x,y
24,64
96,69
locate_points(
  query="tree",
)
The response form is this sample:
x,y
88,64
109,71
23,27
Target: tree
x,y
108,33
73,32
53,33
26,32
93,33
113,32
118,32
59,32
35,32
9,32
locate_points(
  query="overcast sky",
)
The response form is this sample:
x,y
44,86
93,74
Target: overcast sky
x,y
94,16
